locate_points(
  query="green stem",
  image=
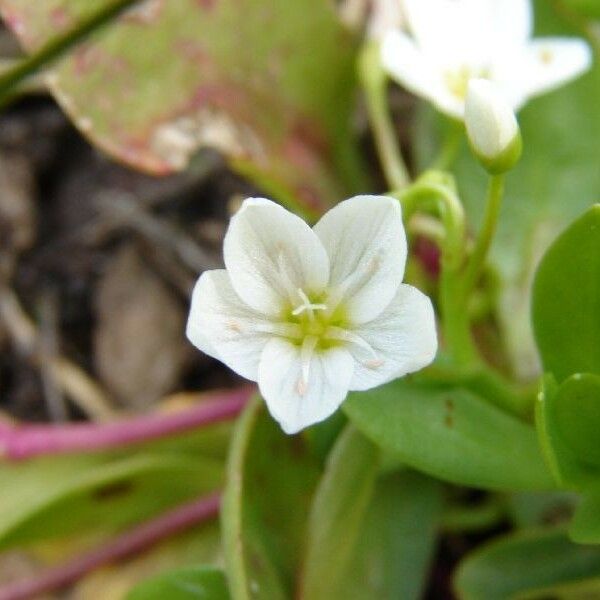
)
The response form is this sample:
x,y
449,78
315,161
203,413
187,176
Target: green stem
x,y
373,80
438,190
486,235
57,46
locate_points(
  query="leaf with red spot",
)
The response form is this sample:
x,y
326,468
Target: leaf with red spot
x,y
267,82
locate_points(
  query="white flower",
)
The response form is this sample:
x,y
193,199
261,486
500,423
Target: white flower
x,y
492,127
313,313
456,40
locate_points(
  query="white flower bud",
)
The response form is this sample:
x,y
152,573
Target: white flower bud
x,y
492,127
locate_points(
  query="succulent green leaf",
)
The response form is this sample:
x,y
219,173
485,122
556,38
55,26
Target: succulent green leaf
x,y
509,567
566,300
337,513
452,434
397,540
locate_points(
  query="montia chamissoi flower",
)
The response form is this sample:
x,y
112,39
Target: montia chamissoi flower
x,y
456,40
313,313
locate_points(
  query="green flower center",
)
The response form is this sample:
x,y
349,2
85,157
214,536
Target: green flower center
x,y
311,317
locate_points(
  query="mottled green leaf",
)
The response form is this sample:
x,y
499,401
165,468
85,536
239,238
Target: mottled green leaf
x,y
270,481
452,434
192,583
268,82
507,567
566,300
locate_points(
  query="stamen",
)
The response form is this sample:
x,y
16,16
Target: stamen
x,y
343,335
287,330
307,306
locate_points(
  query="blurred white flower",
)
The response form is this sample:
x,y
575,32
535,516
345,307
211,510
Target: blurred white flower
x,y
492,127
456,40
313,313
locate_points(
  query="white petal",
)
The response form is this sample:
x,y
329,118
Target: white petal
x,y
223,327
294,402
414,70
512,21
551,62
366,243
270,253
490,26
436,25
403,339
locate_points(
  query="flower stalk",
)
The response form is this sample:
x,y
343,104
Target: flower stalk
x,y
374,83
21,442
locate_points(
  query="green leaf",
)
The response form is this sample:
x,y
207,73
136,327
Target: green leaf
x,y
577,414
566,300
58,496
171,77
192,583
514,564
337,512
452,434
585,526
270,480
397,540
553,406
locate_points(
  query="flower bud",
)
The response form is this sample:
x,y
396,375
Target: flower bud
x,y
492,127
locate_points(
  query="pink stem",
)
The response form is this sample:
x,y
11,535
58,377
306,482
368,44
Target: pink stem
x,y
135,540
26,441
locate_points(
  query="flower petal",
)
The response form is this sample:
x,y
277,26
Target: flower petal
x,y
512,21
403,339
293,401
411,68
366,243
223,327
550,62
270,253
435,25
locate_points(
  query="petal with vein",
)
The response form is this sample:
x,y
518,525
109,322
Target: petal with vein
x,y
403,340
223,327
293,401
270,253
366,243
